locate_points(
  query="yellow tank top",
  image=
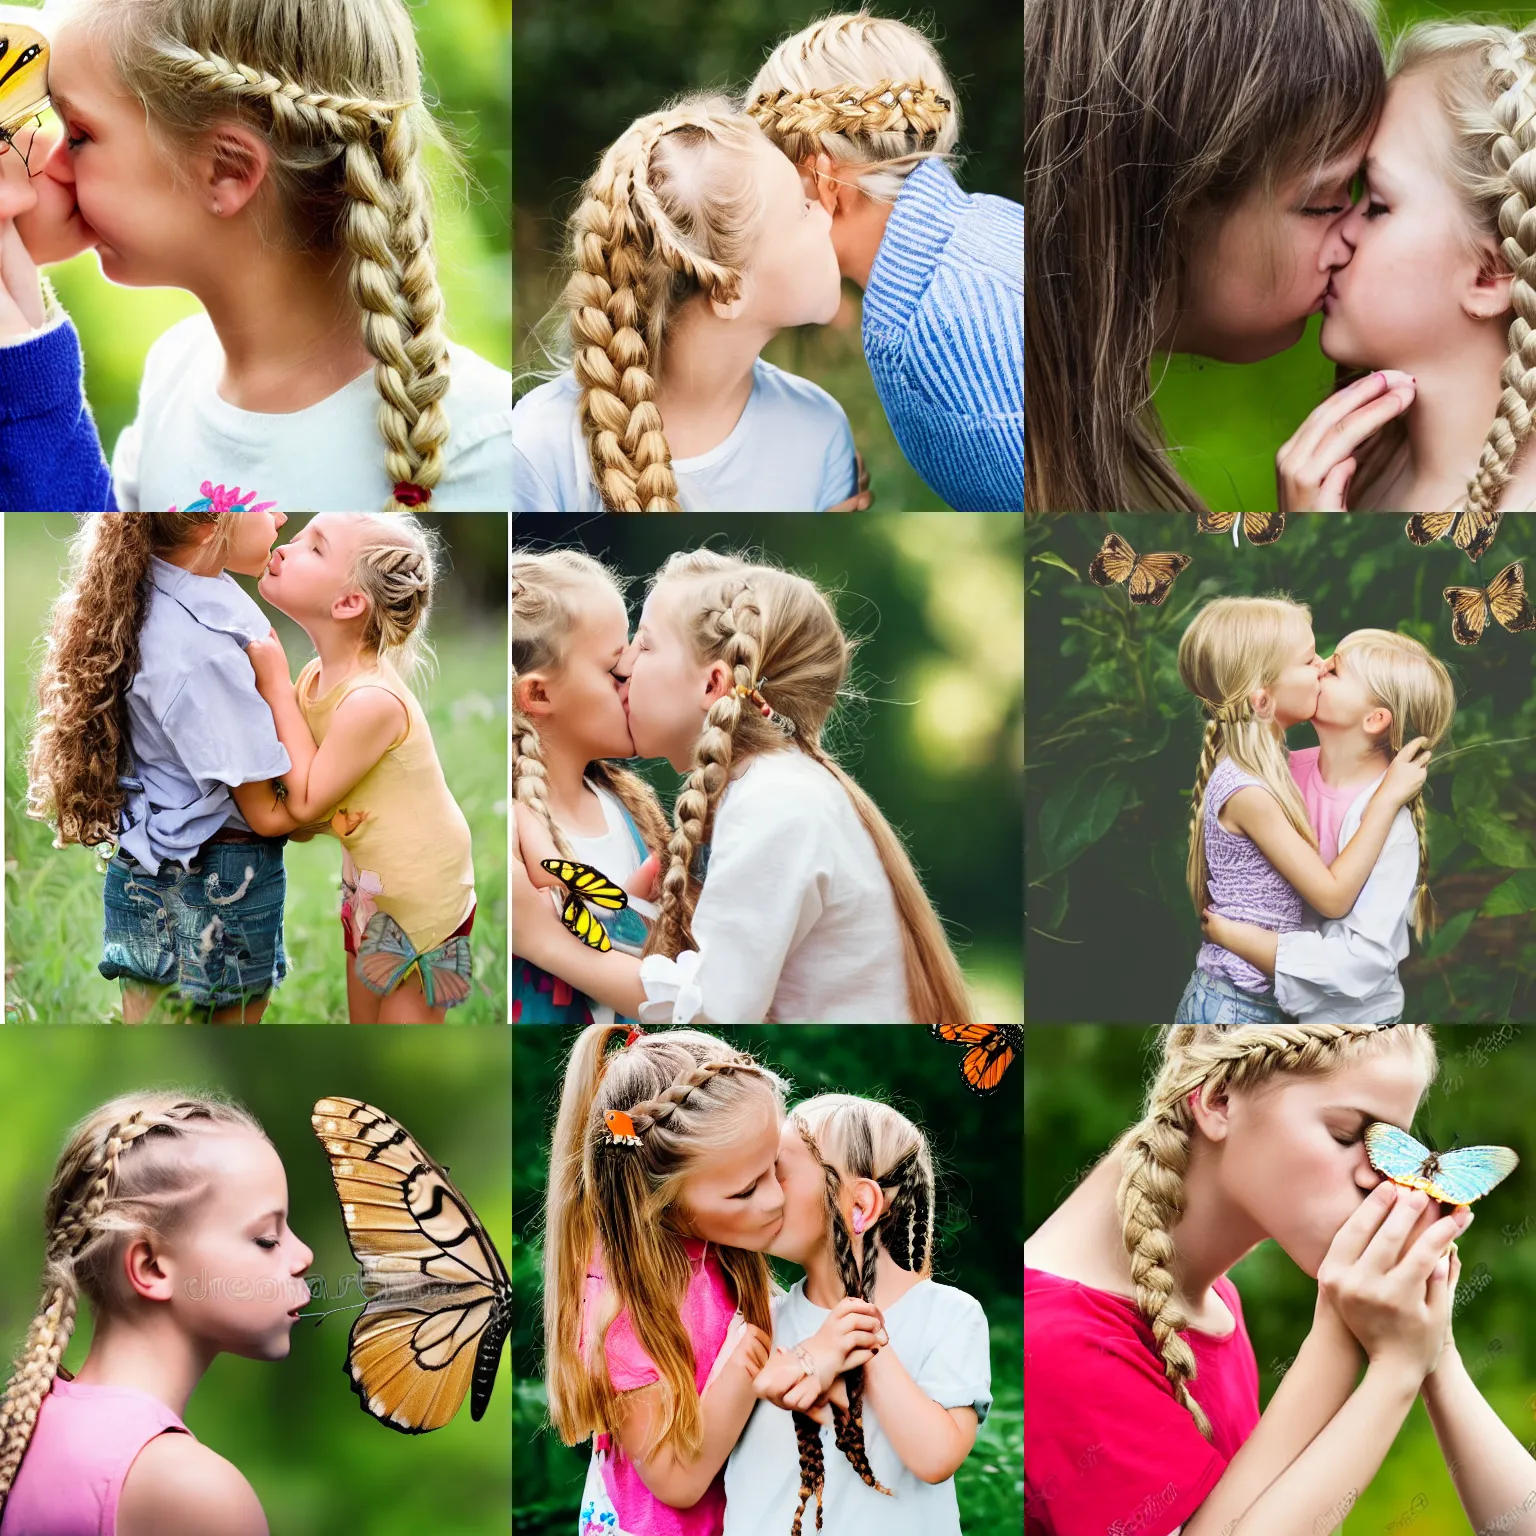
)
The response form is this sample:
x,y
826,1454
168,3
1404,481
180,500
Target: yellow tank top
x,y
405,843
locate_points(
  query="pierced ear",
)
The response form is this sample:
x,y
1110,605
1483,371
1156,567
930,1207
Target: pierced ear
x,y
868,1203
233,164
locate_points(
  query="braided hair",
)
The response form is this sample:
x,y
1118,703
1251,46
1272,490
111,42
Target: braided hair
x,y
395,567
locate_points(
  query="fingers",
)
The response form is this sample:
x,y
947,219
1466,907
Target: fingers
x,y
1314,468
1333,494
1434,1243
1350,1240
1391,1237
1370,391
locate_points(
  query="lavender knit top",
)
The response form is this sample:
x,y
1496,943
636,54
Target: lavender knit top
x,y
1244,884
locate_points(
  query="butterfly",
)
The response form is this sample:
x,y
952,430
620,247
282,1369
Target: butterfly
x,y
620,1127
1261,527
1150,577
386,957
1503,597
583,884
440,1303
1471,531
1453,1178
23,82
992,1048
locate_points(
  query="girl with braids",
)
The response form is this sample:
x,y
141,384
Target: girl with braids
x,y
364,764
863,107
810,909
150,736
569,633
662,1197
858,1187
1378,687
1141,1402
1253,855
267,156
154,1193
692,247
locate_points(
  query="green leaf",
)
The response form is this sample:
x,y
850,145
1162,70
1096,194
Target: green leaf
x,y
1448,937
1049,558
1497,840
1076,816
1516,895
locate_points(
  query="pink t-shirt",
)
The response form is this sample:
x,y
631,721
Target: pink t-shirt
x,y
73,1472
708,1307
1326,807
1108,1449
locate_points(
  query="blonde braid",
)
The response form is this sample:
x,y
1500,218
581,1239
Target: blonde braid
x,y
888,106
1197,872
659,1110
1425,915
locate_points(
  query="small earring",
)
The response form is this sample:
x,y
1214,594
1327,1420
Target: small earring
x,y
217,209
858,1222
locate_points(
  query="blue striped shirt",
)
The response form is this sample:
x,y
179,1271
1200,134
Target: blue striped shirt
x,y
944,338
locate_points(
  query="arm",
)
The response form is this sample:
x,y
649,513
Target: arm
x,y
177,1487
931,1440
539,937
1247,941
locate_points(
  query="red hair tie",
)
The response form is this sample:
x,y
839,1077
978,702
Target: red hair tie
x,y
410,495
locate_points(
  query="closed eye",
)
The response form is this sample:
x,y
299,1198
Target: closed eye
x,y
1325,213
266,1242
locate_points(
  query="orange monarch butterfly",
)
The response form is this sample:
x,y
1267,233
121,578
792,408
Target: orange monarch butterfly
x,y
991,1053
1148,578
441,1302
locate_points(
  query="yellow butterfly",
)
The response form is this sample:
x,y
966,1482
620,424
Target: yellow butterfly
x,y
584,884
23,82
1504,597
441,1302
1471,531
1149,578
1261,527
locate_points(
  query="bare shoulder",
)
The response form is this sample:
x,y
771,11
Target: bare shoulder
x,y
1248,807
177,1487
370,705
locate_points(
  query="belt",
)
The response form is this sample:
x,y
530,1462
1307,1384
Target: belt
x,y
223,835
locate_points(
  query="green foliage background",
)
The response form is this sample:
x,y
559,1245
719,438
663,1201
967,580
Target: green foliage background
x,y
1114,737
585,70
318,1463
53,911
975,1147
1227,420
468,82
936,601
1083,1086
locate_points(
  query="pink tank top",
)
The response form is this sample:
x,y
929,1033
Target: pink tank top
x,y
73,1472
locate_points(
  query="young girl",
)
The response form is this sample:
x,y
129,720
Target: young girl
x,y
1253,855
1202,152
569,633
661,1199
811,909
858,1190
1378,688
273,167
693,246
364,764
151,736
153,1194
863,107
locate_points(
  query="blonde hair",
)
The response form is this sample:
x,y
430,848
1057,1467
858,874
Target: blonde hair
x,y
546,607
1131,155
686,1094
79,745
1413,683
777,629
333,88
395,568
869,92
124,1173
1154,1153
1233,647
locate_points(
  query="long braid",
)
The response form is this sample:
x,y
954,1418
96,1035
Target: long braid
x,y
1197,871
1425,915
813,1468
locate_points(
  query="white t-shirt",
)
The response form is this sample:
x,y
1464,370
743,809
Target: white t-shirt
x,y
613,851
940,1336
790,451
796,919
328,457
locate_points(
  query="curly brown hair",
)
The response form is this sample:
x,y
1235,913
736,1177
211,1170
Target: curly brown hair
x,y
78,746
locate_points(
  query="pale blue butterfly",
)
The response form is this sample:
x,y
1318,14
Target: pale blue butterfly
x,y
1457,1177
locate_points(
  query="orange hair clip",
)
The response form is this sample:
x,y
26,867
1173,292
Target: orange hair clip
x,y
621,1129
755,694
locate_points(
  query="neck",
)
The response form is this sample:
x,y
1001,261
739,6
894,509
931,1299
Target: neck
x,y
1455,402
565,769
150,1354
340,649
824,1287
196,558
706,376
861,241
1347,757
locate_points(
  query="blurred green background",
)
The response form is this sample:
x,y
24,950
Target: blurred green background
x,y
468,83
319,1464
1114,738
977,1239
53,910
1083,1086
1228,420
935,601
585,71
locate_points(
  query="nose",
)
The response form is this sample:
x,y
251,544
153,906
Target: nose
x,y
57,166
279,518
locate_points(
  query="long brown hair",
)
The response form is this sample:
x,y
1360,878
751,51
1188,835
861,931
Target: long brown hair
x,y
1150,118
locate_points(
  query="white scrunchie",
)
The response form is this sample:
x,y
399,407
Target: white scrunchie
x,y
672,996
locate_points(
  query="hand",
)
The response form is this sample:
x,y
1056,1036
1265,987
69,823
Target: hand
x,y
21,292
1313,469
646,880
863,498
536,931
851,1334
1216,928
752,1349
1405,778
270,663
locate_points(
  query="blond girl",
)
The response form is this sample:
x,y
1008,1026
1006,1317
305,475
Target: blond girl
x,y
785,893
693,246
1253,855
864,108
858,1185
662,1198
1379,687
267,155
570,632
154,1193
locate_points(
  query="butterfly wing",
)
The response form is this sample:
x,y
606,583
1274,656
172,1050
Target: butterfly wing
x,y
1475,531
1468,1173
446,973
1263,527
1426,527
385,954
440,1286
1153,576
584,925
1216,522
1114,562
1401,1157
1469,613
985,1065
23,75
593,884
1506,598
963,1034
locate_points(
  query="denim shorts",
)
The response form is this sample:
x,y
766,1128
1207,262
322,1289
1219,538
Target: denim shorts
x,y
214,932
1212,1000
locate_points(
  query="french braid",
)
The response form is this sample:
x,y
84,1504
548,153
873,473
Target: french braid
x,y
799,118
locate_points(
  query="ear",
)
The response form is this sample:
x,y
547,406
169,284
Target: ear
x,y
818,173
868,1202
1211,1112
1378,722
352,605
532,695
1487,295
718,682
146,1271
735,306
1263,705
231,167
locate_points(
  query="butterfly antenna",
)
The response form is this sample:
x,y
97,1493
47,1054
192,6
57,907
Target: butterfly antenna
x,y
320,1317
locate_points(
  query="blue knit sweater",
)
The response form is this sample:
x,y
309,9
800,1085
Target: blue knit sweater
x,y
944,338
50,454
